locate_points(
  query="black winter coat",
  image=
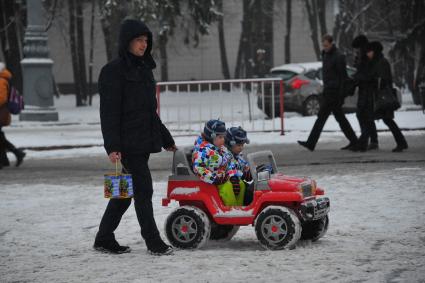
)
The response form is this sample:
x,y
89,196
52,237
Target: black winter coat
x,y
128,106
380,77
334,75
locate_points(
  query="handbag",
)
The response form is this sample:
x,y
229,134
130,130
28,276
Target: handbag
x,y
118,185
15,102
386,99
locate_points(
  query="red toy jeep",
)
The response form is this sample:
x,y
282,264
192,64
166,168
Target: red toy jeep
x,y
282,209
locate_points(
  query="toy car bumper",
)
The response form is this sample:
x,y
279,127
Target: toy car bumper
x,y
315,209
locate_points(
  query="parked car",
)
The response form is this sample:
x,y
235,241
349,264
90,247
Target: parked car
x,y
283,209
301,90
303,86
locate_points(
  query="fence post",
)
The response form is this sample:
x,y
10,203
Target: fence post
x,y
158,100
282,131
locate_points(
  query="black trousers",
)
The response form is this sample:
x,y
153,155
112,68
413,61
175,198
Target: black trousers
x,y
395,130
328,106
137,165
365,115
5,146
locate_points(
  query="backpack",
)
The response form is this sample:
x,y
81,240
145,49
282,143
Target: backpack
x,y
15,102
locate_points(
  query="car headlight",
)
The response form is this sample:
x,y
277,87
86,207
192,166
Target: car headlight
x,y
307,188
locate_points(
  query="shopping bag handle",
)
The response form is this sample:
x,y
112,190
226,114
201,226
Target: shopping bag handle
x,y
122,166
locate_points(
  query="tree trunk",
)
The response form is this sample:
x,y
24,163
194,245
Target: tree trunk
x,y
93,6
80,51
321,13
288,31
222,43
241,61
312,19
74,55
10,41
162,44
111,22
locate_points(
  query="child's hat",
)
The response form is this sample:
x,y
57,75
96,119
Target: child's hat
x,y
213,128
236,135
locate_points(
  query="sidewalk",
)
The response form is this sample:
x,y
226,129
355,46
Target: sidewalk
x,y
78,130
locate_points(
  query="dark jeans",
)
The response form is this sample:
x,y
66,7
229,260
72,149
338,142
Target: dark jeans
x,y
365,115
137,165
327,107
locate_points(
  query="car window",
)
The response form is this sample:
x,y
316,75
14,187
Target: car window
x,y
311,74
285,75
319,74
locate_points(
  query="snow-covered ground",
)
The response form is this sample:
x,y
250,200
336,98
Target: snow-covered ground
x,y
80,126
376,234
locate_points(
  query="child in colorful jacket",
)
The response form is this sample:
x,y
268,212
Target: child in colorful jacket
x,y
208,158
237,169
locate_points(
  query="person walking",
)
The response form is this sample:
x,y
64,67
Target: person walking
x,y
364,110
5,120
132,130
334,76
380,77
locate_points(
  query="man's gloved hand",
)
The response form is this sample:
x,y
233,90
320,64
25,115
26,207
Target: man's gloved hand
x,y
236,185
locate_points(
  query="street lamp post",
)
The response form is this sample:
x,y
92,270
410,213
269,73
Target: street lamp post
x,y
37,68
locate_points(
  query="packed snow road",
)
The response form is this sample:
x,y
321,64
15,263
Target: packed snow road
x,y
50,210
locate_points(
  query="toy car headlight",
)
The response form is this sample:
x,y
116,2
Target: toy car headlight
x,y
307,188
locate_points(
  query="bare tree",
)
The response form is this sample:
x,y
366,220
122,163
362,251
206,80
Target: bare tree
x,y
80,51
288,31
321,13
312,19
91,53
74,56
222,43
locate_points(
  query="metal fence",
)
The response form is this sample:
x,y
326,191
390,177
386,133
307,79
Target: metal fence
x,y
253,104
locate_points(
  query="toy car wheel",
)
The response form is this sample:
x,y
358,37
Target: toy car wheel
x,y
277,227
187,228
223,232
314,230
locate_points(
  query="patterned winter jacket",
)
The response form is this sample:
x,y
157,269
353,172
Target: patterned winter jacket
x,y
237,166
209,161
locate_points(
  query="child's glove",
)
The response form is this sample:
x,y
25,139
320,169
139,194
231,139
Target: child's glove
x,y
247,175
219,180
236,185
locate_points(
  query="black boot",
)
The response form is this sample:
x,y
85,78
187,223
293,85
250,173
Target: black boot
x,y
350,146
306,145
158,247
373,146
111,246
20,155
4,161
400,147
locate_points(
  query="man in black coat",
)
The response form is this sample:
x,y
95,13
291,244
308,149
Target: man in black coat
x,y
132,130
334,76
365,98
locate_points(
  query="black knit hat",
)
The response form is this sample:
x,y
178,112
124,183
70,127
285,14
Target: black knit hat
x,y
374,46
213,128
235,135
360,41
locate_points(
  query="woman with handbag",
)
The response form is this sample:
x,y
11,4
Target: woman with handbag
x,y
5,120
380,74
